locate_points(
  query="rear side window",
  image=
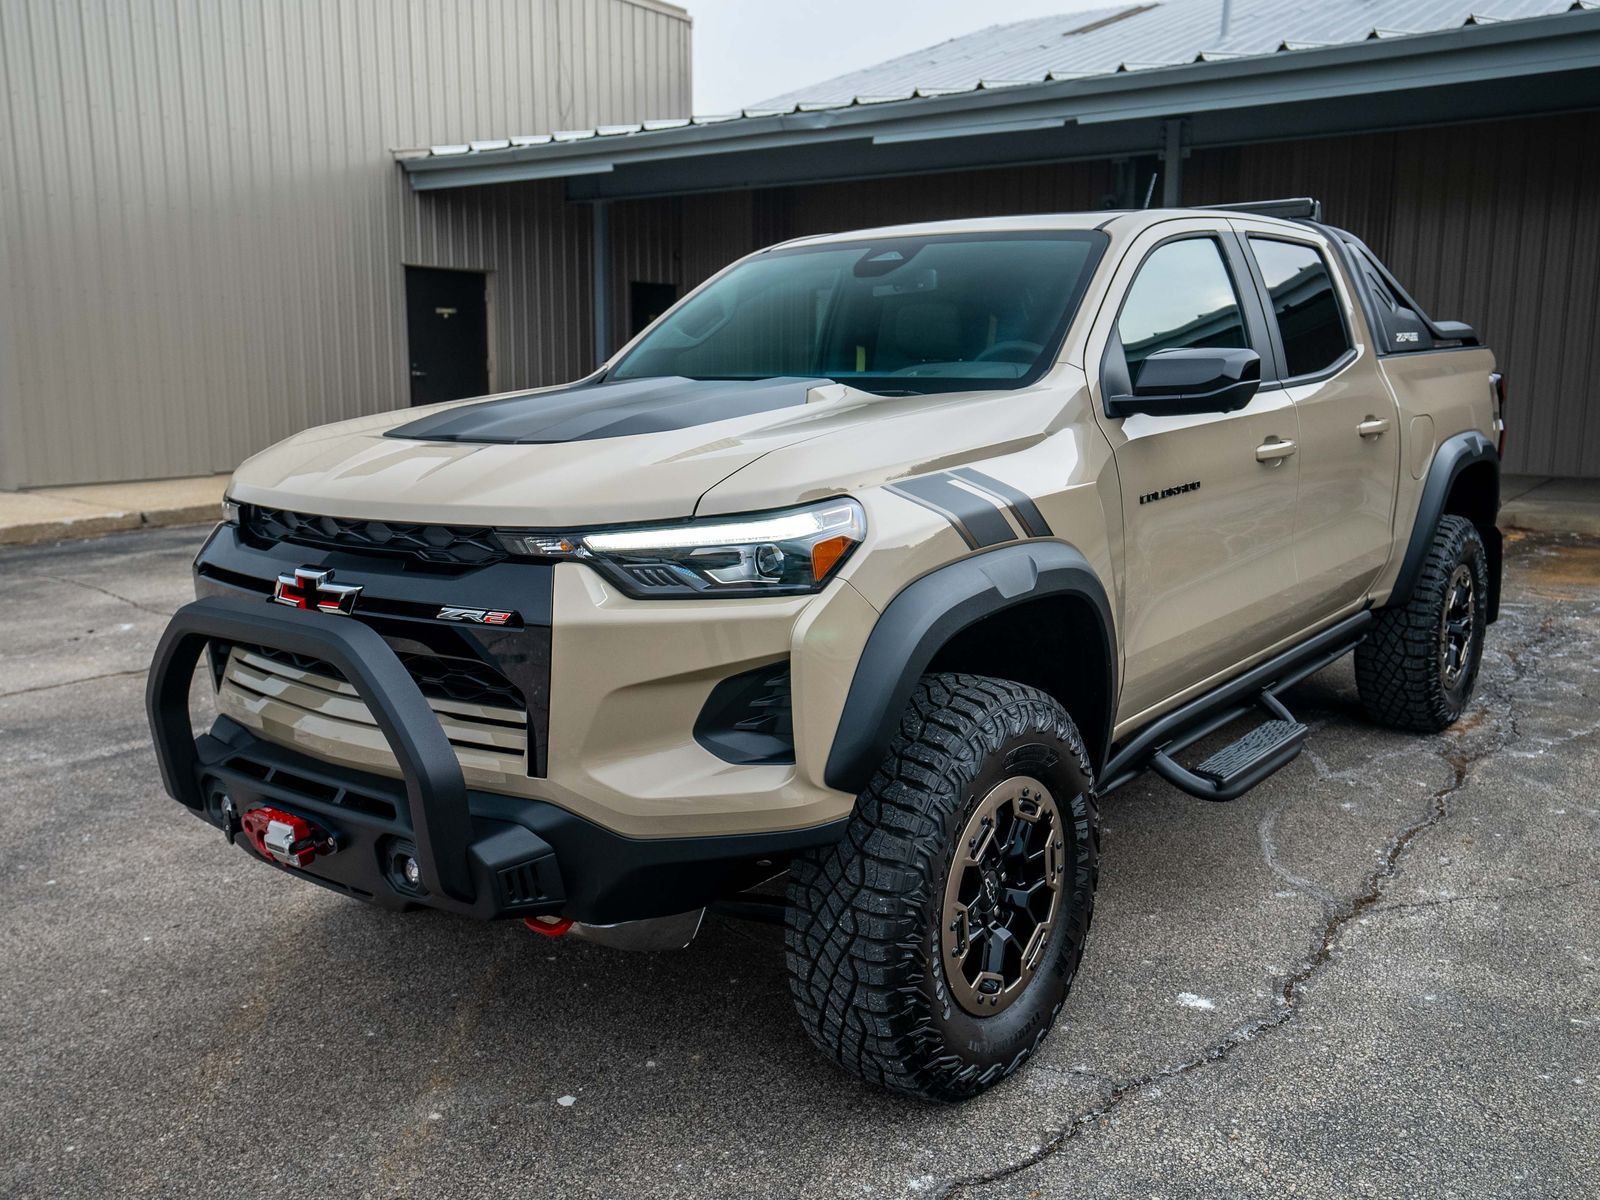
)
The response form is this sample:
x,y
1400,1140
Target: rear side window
x,y
1183,297
1304,304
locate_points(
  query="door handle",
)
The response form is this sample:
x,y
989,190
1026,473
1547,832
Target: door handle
x,y
1274,451
1373,427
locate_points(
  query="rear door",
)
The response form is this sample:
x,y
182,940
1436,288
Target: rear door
x,y
1207,499
1349,443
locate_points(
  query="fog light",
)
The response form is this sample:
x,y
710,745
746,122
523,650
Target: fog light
x,y
402,866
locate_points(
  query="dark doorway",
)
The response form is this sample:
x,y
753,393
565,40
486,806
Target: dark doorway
x,y
447,329
646,302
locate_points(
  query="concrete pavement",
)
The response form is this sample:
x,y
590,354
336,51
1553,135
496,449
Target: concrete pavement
x,y
1541,504
57,514
1374,975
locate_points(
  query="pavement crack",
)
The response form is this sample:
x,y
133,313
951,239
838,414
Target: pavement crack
x,y
95,587
65,683
1463,755
1285,1005
1480,897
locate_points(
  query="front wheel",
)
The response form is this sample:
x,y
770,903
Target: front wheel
x,y
931,948
1417,668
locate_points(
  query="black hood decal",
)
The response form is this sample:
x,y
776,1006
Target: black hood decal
x,y
607,410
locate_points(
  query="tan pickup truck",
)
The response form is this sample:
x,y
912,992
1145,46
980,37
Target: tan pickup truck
x,y
873,562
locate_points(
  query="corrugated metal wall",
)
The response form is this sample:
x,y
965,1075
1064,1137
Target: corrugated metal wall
x,y
202,231
1497,224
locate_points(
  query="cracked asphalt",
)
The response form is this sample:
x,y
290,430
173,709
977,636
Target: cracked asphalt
x,y
1375,975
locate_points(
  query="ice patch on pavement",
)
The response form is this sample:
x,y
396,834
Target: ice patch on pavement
x,y
1190,1000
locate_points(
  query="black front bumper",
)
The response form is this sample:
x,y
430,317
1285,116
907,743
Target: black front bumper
x,y
482,854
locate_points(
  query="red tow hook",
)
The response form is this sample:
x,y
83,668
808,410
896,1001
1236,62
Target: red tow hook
x,y
548,926
285,838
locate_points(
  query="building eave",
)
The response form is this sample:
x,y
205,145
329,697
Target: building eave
x,y
1105,112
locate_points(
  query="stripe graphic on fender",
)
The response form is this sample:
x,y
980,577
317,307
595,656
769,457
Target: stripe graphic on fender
x,y
1022,507
977,520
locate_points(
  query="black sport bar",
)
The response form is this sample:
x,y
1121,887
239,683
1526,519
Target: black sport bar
x,y
435,790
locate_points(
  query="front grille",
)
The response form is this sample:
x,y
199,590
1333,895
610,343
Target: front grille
x,y
466,679
469,680
462,545
301,698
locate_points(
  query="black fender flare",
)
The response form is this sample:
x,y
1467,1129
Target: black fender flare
x,y
926,614
1455,455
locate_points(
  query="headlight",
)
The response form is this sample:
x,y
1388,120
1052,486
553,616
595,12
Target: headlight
x,y
230,511
768,554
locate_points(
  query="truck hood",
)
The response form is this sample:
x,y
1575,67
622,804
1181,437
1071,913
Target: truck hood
x,y
581,454
637,450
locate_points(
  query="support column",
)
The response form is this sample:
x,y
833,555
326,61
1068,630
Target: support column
x,y
601,249
1172,164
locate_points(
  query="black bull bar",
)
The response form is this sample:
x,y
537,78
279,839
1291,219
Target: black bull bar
x,y
436,793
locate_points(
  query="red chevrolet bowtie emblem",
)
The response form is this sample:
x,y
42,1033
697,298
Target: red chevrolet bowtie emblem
x,y
308,588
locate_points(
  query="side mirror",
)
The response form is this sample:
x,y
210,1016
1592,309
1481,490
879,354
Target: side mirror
x,y
1180,382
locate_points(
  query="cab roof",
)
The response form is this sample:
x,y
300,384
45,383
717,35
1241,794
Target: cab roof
x,y
1126,220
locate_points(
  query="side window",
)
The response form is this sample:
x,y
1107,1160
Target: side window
x,y
1183,297
1304,304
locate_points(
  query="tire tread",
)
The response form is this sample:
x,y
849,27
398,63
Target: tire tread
x,y
1397,665
856,910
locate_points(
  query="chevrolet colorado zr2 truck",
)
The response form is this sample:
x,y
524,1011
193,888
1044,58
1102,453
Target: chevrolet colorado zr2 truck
x,y
875,562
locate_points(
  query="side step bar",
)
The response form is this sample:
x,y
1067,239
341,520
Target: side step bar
x,y
1272,745
1235,769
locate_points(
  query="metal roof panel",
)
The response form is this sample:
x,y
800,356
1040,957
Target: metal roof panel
x,y
1148,34
1146,38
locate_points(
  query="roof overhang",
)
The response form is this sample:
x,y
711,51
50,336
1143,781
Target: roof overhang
x,y
1384,83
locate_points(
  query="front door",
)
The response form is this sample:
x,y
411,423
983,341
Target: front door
x,y
1349,443
447,330
1208,499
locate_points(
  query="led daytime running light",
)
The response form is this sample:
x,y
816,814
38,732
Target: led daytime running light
x,y
785,527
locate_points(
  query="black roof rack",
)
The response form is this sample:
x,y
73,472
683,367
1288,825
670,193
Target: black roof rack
x,y
1302,208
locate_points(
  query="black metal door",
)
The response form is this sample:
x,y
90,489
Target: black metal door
x,y
646,302
447,328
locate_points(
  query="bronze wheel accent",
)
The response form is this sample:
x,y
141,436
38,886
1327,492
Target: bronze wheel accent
x,y
1002,895
1456,626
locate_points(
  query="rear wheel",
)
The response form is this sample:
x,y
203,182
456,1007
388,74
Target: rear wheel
x,y
930,950
1417,668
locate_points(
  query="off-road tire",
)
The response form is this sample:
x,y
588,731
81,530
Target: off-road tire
x,y
1400,667
864,915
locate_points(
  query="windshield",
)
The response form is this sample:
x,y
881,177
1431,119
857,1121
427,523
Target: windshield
x,y
912,314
